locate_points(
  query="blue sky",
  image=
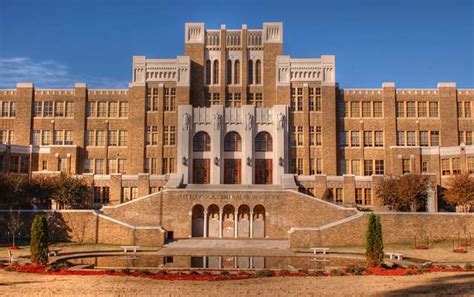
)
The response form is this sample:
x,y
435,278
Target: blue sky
x,y
416,44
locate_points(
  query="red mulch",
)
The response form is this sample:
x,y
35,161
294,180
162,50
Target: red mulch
x,y
465,244
422,247
378,271
12,248
461,251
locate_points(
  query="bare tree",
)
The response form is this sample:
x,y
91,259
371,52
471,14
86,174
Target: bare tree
x,y
14,224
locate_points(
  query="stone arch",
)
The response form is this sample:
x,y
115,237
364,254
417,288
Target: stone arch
x,y
201,142
243,224
198,221
263,142
228,221
258,221
232,142
213,220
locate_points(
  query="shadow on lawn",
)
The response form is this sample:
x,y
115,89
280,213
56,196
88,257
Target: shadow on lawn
x,y
454,285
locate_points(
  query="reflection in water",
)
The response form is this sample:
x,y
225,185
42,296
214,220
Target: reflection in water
x,y
290,263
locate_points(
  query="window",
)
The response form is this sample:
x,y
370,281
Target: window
x,y
48,109
296,103
434,138
368,167
467,109
215,76
468,140
90,138
358,196
379,167
168,165
355,109
470,165
69,109
150,165
46,137
37,108
422,109
112,141
315,135
433,109
299,136
423,138
339,195
229,72
123,112
343,167
445,167
59,109
232,142
99,166
366,109
367,196
100,138
314,99
14,164
208,72
44,165
250,69
201,142
12,108
101,195
68,137
113,109
36,137
58,137
169,135
424,166
122,166
299,166
102,109
87,166
378,138
5,110
212,99
378,109
91,108
406,166
152,99
456,164
126,194
368,138
123,138
237,72
152,135
170,99
411,109
258,72
411,138
401,109
263,142
233,100
319,166
112,166
258,99
355,138
312,166
356,167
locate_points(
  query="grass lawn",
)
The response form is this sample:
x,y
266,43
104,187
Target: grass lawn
x,y
438,251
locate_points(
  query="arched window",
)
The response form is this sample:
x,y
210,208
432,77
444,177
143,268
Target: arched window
x,y
215,79
229,72
263,142
201,142
250,78
232,142
208,72
237,72
258,72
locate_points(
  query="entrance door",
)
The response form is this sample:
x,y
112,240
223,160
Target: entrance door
x,y
232,171
263,171
201,171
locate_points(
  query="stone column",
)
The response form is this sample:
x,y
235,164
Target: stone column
x,y
185,128
205,223
217,120
280,143
235,223
251,224
220,223
248,136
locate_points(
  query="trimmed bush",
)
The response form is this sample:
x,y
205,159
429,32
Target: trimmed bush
x,y
39,240
264,273
374,242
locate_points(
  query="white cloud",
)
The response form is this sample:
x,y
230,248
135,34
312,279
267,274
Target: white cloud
x,y
48,74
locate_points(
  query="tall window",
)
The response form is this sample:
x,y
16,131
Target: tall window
x,y
232,142
258,72
250,76
201,142
378,109
366,109
434,109
170,99
123,112
355,109
229,72
152,99
263,142
169,135
208,72
237,72
215,78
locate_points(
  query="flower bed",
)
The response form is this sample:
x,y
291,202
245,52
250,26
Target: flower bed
x,y
460,250
422,247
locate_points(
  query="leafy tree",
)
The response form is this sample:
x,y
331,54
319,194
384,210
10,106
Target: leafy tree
x,y
71,192
404,193
12,189
39,240
374,242
40,189
460,192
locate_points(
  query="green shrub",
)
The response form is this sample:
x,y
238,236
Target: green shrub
x,y
225,272
468,266
162,272
39,240
144,272
243,272
303,271
355,270
126,271
193,272
374,242
336,272
264,273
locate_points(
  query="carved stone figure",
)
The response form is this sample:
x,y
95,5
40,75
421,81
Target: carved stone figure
x,y
217,121
280,121
249,121
186,121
